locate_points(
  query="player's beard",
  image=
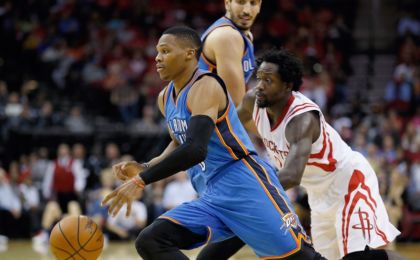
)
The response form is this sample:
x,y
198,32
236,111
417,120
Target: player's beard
x,y
241,27
261,103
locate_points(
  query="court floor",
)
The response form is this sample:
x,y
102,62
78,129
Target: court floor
x,y
22,250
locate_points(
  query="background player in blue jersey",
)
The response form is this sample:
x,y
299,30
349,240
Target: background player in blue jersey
x,y
227,46
243,195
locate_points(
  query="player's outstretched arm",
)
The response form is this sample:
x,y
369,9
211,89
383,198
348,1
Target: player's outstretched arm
x,y
226,45
301,132
245,110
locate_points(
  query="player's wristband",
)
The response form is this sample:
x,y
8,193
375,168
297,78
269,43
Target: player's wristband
x,y
145,165
139,182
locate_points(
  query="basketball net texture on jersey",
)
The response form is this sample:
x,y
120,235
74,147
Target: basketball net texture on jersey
x,y
342,186
248,58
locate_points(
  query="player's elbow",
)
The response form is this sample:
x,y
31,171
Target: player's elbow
x,y
198,152
294,182
289,180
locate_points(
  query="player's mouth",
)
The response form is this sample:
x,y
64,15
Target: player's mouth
x,y
260,95
159,67
245,19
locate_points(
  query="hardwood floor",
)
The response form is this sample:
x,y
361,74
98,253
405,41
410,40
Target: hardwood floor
x,y
22,250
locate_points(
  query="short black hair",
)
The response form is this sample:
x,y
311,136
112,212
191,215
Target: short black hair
x,y
290,68
188,35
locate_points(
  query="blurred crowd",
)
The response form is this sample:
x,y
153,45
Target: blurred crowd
x,y
80,67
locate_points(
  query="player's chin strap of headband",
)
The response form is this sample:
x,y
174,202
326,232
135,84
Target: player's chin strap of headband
x,y
186,155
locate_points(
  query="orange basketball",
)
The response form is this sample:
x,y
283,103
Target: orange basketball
x,y
76,237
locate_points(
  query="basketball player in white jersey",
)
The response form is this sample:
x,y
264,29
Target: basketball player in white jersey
x,y
348,216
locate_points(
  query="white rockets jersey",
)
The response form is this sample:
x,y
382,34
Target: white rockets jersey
x,y
347,212
329,152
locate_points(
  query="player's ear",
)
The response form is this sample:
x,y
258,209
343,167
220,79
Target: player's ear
x,y
227,4
191,54
289,86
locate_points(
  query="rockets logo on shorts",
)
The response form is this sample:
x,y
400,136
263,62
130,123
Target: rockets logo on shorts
x,y
365,226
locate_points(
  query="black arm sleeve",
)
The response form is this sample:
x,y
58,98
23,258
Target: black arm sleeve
x,y
188,154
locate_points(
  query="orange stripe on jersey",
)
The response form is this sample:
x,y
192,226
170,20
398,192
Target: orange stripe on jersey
x,y
236,138
284,112
278,192
284,255
269,181
220,119
298,244
171,219
212,67
209,235
228,148
265,188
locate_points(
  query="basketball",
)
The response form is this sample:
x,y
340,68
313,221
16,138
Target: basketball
x,y
76,237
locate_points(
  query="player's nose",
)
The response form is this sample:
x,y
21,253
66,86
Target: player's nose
x,y
158,57
259,86
246,9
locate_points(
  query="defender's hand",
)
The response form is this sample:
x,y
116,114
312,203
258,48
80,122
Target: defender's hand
x,y
126,170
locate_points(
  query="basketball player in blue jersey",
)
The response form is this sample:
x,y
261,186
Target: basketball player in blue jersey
x,y
227,46
243,196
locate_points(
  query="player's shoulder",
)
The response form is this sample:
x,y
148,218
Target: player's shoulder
x,y
208,83
207,86
306,120
224,34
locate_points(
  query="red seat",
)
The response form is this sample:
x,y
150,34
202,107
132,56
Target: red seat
x,y
410,224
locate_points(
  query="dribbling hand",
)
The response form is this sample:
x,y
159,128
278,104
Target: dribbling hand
x,y
126,170
126,193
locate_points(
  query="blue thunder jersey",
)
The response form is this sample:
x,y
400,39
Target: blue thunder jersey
x,y
228,143
248,58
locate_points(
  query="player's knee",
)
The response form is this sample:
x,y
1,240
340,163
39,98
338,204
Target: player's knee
x,y
146,242
368,254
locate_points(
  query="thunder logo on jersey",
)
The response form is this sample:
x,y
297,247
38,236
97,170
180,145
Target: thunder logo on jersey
x,y
248,65
178,128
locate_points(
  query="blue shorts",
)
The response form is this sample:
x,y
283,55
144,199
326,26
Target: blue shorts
x,y
246,200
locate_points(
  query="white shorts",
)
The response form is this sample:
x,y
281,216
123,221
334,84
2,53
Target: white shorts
x,y
349,214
